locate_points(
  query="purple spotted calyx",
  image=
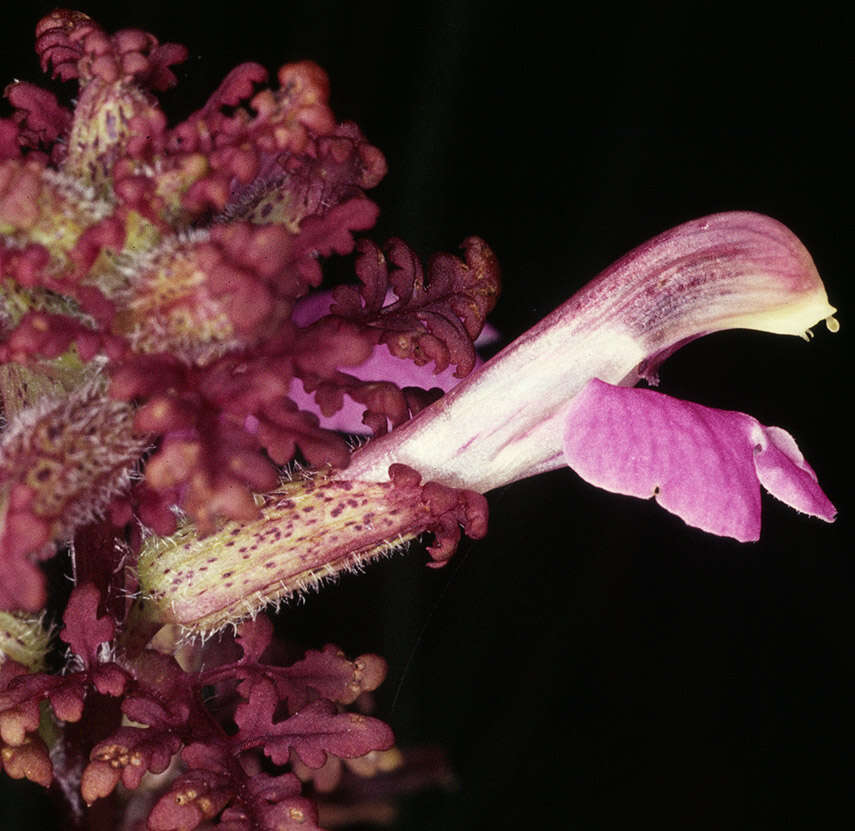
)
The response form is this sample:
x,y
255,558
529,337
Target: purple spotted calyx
x,y
309,529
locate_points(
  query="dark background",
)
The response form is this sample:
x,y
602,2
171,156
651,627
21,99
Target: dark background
x,y
593,660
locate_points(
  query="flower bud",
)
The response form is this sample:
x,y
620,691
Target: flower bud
x,y
61,462
24,639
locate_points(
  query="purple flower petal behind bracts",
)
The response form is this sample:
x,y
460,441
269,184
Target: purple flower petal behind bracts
x,y
703,464
382,364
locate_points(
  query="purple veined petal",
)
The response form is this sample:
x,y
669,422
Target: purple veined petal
x,y
703,464
381,365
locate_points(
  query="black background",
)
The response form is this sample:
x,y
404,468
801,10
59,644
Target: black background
x,y
593,661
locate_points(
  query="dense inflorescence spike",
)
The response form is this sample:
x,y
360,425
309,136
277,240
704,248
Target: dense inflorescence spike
x,y
181,251
149,352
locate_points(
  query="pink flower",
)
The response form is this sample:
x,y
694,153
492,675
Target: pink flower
x,y
536,406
